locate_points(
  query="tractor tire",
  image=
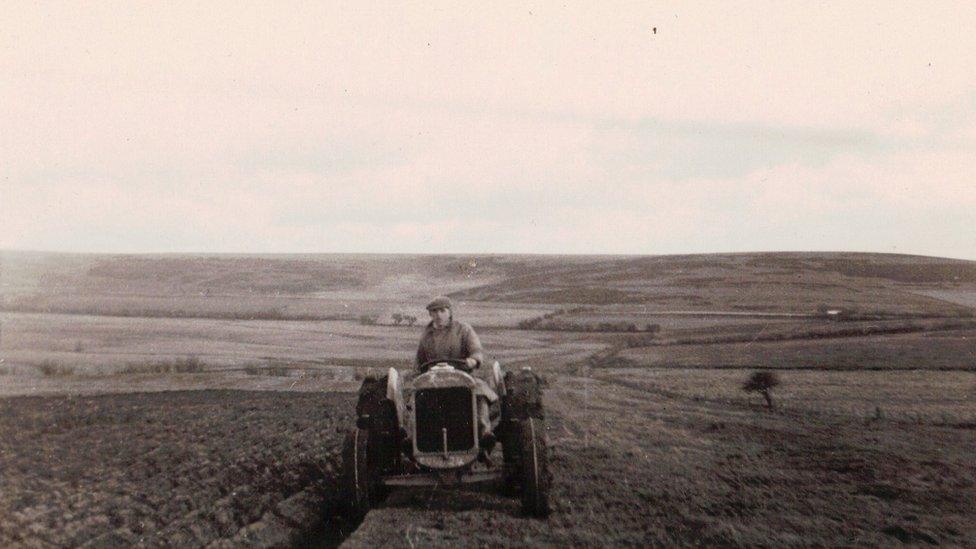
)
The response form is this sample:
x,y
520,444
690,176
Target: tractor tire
x,y
523,396
534,466
357,482
508,435
383,451
522,401
377,419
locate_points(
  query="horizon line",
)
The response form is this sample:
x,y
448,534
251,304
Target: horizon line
x,y
469,253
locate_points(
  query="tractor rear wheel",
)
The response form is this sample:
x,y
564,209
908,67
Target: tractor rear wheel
x,y
358,483
521,400
377,421
534,466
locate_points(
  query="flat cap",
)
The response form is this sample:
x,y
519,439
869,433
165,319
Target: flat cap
x,y
440,302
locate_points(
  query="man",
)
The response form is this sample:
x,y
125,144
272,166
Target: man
x,y
444,339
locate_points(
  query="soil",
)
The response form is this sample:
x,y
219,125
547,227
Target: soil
x,y
189,468
631,466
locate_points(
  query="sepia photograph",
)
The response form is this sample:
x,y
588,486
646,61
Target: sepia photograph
x,y
487,274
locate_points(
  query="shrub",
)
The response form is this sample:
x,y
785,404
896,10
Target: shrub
x,y
275,370
188,365
762,383
367,320
51,368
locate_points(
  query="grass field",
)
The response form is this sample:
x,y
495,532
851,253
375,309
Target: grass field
x,y
634,468
925,350
938,397
97,345
208,393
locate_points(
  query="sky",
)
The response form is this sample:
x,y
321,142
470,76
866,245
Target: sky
x,y
473,127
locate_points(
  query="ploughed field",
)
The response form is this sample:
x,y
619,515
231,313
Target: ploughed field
x,y
188,468
201,400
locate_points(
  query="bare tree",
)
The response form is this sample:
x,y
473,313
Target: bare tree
x,y
762,383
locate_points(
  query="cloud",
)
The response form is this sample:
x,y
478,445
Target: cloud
x,y
509,128
686,150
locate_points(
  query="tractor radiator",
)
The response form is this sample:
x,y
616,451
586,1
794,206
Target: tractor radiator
x,y
444,408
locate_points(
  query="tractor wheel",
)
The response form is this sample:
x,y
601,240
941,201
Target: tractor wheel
x,y
377,421
384,451
357,481
507,432
521,400
534,468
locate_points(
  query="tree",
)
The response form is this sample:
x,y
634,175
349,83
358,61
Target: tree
x,y
762,383
397,317
410,319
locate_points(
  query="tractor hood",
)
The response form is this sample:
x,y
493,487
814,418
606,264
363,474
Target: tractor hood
x,y
443,375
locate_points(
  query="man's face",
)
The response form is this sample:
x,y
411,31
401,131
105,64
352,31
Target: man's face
x,y
440,316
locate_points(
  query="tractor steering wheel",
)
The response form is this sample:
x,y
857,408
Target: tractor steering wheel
x,y
459,363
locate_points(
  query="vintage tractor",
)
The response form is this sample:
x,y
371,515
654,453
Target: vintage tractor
x,y
427,435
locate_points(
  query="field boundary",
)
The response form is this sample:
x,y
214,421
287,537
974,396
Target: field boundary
x,y
780,410
844,332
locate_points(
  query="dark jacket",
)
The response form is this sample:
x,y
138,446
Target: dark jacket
x,y
457,340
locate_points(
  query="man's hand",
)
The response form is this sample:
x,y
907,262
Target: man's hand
x,y
472,363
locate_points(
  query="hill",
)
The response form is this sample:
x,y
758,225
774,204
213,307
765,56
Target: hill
x,y
786,282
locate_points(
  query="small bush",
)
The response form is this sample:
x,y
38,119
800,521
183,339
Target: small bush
x,y
51,368
188,365
271,370
762,383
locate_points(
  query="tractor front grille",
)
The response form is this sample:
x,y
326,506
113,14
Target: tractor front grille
x,y
439,409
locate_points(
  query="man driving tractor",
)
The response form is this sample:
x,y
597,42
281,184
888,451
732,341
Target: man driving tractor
x,y
445,339
421,431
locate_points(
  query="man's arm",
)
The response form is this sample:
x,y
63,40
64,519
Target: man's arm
x,y
471,345
421,353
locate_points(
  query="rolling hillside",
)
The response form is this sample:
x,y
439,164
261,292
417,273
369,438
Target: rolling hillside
x,y
789,282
